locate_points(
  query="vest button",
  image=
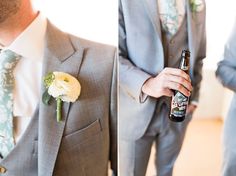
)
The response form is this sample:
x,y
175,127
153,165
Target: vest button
x,y
172,42
2,170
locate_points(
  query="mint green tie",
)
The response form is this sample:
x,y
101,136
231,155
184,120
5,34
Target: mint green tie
x,y
8,61
171,15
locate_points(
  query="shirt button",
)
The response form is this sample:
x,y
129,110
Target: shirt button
x,y
2,170
171,56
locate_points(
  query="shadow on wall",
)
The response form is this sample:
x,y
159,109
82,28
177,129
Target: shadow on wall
x,y
214,98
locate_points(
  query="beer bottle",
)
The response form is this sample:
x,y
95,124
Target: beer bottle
x,y
179,101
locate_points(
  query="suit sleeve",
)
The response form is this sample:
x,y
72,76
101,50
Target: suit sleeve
x,y
113,118
226,71
197,72
131,78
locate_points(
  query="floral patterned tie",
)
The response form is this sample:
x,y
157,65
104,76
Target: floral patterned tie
x,y
8,61
171,15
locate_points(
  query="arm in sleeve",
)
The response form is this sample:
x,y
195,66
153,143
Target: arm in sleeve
x,y
131,78
198,66
226,71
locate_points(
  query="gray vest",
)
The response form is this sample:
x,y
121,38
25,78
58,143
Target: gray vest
x,y
173,45
23,159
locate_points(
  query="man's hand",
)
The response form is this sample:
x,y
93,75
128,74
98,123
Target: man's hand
x,y
165,82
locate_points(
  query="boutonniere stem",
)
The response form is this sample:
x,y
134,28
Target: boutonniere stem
x,y
59,108
63,88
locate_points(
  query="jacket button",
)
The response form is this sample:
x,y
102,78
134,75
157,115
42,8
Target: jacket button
x,y
2,170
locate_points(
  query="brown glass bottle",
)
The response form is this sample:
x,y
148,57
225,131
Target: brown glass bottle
x,y
179,101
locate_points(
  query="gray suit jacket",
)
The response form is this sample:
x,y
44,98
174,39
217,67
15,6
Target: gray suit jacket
x,y
226,71
141,56
86,138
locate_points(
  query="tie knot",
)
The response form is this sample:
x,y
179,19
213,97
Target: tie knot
x,y
8,60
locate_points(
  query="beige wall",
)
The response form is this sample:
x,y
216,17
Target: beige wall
x,y
214,98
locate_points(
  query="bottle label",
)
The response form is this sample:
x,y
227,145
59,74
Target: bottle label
x,y
185,68
179,105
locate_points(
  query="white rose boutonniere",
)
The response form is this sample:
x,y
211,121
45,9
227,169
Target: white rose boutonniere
x,y
196,5
61,86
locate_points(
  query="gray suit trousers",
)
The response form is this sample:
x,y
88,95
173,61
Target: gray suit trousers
x,y
168,138
229,149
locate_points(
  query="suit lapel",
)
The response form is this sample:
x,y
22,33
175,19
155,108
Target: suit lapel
x,y
59,55
151,7
191,33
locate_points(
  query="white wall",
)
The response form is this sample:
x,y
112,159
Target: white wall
x,y
214,99
91,19
220,19
211,96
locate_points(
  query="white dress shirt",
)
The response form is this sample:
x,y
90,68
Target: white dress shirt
x,y
28,73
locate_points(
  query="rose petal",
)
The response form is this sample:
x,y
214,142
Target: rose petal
x,y
65,86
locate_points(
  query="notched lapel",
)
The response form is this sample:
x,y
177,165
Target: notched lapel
x,y
151,6
59,55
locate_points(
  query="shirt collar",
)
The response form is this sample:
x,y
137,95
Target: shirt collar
x,y
30,43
